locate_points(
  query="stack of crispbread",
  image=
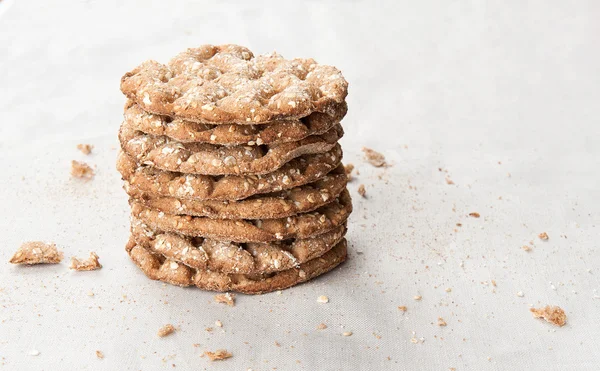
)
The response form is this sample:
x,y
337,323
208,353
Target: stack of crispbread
x,y
233,169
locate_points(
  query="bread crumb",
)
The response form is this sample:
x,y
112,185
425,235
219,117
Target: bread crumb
x,y
34,352
37,252
361,190
543,236
348,168
526,248
218,355
81,170
449,181
553,314
417,297
347,333
89,264
374,158
323,299
99,354
441,322
520,294
226,298
321,326
448,289
86,149
218,323
402,308
474,215
166,330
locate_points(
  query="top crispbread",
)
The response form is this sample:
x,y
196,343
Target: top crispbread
x,y
228,84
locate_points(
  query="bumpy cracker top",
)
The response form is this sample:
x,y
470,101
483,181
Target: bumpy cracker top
x,y
185,131
228,84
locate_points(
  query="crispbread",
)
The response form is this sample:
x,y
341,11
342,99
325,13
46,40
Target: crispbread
x,y
229,257
303,170
208,159
227,84
157,267
281,131
304,225
268,206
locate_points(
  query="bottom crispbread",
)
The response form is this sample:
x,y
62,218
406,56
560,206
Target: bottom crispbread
x,y
157,267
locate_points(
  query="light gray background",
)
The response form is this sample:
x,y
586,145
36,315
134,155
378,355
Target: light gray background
x,y
480,89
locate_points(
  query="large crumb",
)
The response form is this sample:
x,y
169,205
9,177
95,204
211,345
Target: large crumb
x,y
218,355
374,158
348,168
86,149
36,252
88,264
555,315
543,236
227,298
166,330
81,170
361,190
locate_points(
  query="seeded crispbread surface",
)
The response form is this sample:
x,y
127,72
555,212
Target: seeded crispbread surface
x,y
228,84
280,204
300,171
231,257
305,225
157,267
281,131
208,159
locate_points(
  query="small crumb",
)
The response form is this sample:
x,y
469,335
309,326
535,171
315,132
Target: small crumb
x,y
441,322
86,149
89,264
526,248
348,168
37,252
494,283
209,329
323,299
448,289
402,308
417,297
321,326
218,355
218,323
227,298
543,236
347,333
99,354
90,293
374,158
474,215
81,170
34,352
361,190
277,344
520,294
449,181
166,330
552,314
